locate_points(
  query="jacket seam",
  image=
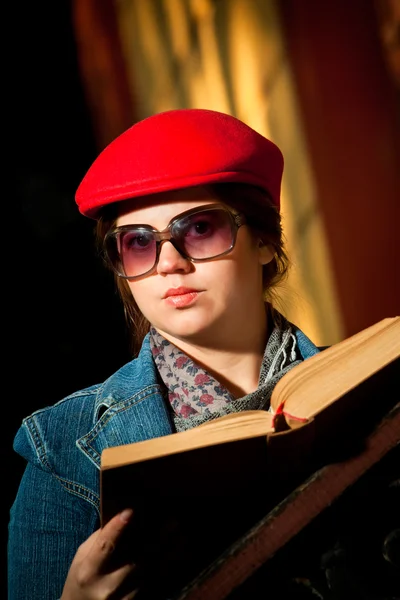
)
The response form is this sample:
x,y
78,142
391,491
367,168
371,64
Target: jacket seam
x,y
80,491
38,444
121,406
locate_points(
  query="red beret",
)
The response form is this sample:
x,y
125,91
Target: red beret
x,y
178,149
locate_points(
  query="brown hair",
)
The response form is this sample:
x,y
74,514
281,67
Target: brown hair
x,y
263,218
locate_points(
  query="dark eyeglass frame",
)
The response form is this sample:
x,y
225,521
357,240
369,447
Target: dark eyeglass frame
x,y
112,255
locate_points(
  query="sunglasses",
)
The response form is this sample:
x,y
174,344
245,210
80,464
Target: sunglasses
x,y
199,234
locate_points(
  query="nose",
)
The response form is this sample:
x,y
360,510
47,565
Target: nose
x,y
171,261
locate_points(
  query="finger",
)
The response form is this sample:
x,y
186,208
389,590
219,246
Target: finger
x,y
109,535
131,595
122,582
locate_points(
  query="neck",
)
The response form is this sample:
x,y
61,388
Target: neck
x,y
237,362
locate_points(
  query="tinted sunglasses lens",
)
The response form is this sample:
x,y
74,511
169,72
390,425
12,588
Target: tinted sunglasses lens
x,y
205,234
137,252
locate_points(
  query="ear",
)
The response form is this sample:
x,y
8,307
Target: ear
x,y
265,253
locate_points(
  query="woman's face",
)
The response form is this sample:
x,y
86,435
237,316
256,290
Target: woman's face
x,y
218,297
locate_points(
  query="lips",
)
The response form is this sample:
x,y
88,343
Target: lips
x,y
179,291
181,297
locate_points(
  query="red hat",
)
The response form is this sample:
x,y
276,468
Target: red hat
x,y
178,149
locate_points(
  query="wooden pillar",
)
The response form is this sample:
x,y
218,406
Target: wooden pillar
x,y
351,119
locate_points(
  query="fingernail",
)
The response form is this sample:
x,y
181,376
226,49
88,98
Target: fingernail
x,y
126,515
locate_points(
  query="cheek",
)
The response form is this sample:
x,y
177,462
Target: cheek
x,y
140,293
235,274
247,259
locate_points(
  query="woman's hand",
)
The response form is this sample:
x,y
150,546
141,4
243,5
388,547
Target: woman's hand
x,y
92,576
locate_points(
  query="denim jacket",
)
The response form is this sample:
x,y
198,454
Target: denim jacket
x,y
57,504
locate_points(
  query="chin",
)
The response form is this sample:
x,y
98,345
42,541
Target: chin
x,y
188,328
188,334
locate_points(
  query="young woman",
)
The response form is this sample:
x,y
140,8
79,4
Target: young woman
x,y
187,210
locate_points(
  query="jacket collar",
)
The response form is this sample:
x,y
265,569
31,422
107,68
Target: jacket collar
x,y
135,405
128,380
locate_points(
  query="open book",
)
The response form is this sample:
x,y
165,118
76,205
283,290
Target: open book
x,y
195,492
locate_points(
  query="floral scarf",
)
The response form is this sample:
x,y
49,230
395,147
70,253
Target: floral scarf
x,y
196,396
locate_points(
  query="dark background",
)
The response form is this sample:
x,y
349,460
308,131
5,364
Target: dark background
x,y
62,319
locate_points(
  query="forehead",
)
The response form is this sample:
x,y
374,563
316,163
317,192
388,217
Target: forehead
x,y
158,209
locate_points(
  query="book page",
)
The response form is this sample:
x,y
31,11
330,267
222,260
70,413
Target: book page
x,y
317,382
228,428
249,417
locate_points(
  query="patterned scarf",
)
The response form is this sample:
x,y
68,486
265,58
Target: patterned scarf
x,y
196,396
